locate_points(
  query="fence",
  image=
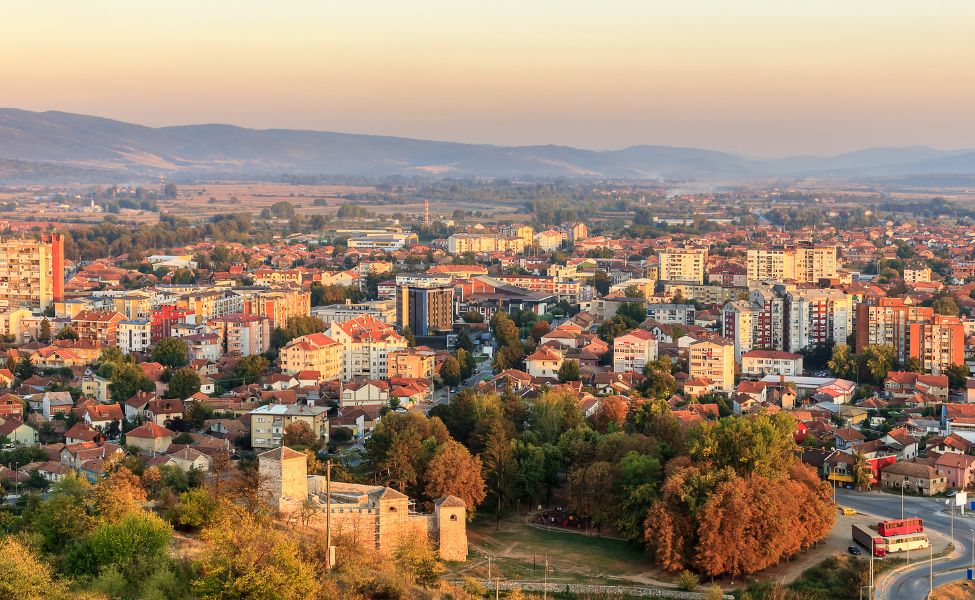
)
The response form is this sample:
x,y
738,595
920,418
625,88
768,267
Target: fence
x,y
584,589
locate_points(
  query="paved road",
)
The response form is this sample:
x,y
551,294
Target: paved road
x,y
913,583
442,395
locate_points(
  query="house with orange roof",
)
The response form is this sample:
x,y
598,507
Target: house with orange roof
x,y
544,362
149,437
366,343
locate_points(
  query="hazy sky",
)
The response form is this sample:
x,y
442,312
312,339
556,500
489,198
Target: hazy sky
x,y
752,76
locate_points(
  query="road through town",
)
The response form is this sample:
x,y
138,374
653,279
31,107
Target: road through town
x,y
912,583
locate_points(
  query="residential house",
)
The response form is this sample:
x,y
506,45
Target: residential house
x,y
149,437
914,476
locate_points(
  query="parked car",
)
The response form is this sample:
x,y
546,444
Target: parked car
x,y
854,550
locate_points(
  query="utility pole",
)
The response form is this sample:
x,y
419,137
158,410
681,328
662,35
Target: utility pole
x,y
930,567
873,544
328,515
902,499
489,568
545,581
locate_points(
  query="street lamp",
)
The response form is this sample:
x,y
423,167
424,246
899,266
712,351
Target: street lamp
x,y
973,547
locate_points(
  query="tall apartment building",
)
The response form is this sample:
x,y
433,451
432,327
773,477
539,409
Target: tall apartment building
x,y
715,360
804,263
247,334
755,323
684,265
313,352
366,343
814,317
938,344
278,305
888,321
632,351
32,271
425,310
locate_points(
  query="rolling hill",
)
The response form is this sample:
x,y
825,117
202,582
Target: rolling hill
x,y
57,145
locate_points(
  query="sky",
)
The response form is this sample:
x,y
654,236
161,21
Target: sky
x,y
755,77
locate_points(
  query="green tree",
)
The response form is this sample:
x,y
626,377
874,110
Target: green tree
x,y
843,363
45,333
25,368
450,371
126,380
569,371
658,383
914,365
529,475
957,376
410,338
184,383
67,333
862,473
878,360
25,576
466,361
171,352
249,369
499,467
464,341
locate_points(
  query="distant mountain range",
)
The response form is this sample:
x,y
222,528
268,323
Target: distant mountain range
x,y
58,146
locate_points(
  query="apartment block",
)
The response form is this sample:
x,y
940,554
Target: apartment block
x,y
97,325
246,334
804,263
714,360
632,351
31,271
411,363
366,343
815,317
269,422
759,363
684,265
888,321
134,335
425,310
463,243
938,344
313,352
278,305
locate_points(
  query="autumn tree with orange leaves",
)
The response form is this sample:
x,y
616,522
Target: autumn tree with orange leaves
x,y
740,502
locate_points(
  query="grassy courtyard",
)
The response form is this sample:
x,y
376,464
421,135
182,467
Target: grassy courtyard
x,y
518,552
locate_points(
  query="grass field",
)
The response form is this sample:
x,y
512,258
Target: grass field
x,y
518,552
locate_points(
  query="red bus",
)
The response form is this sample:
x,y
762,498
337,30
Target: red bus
x,y
900,527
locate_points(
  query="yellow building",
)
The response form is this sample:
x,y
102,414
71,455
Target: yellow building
x,y
32,271
411,363
803,263
313,352
685,265
715,360
279,305
135,305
